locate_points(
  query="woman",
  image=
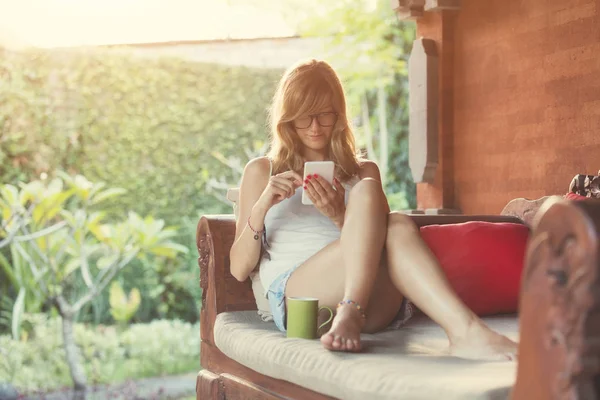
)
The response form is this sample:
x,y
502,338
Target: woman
x,y
332,250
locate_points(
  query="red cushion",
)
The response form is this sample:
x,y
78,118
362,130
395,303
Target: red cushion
x,y
483,262
575,196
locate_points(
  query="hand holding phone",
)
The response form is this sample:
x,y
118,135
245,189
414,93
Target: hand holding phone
x,y
324,169
280,187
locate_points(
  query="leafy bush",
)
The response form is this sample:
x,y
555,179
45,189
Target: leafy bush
x,y
62,238
161,128
123,306
170,288
110,355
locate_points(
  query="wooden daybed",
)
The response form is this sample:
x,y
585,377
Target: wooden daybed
x,y
559,323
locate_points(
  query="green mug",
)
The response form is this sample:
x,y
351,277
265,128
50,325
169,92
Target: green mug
x,y
303,316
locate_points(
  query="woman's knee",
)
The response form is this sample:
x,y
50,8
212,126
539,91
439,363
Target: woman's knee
x,y
400,225
367,189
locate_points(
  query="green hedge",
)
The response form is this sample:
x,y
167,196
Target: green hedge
x,y
150,125
109,355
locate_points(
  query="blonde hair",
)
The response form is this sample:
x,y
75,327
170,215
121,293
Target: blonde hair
x,y
305,88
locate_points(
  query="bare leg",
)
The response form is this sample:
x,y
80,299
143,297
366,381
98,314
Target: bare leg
x,y
416,273
348,269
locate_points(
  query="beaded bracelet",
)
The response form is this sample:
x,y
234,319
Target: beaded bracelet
x,y
358,307
256,233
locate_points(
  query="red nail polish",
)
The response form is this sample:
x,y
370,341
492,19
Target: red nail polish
x,y
304,187
306,181
309,177
316,176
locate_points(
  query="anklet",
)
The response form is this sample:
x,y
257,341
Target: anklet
x,y
358,307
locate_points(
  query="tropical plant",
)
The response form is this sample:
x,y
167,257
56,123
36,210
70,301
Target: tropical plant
x,y
110,355
122,306
81,245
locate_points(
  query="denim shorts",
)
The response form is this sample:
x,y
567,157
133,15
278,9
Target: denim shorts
x,y
276,297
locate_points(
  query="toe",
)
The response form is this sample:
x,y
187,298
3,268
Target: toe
x,y
336,342
356,345
349,345
327,339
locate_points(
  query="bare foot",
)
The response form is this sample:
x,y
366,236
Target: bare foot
x,y
481,343
344,334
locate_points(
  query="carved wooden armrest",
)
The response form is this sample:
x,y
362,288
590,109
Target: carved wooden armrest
x,y
220,290
524,209
559,311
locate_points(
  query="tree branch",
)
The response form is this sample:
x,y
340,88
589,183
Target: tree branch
x,y
60,254
42,233
32,265
98,288
6,241
11,235
64,308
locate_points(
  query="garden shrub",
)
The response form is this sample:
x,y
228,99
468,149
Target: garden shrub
x,y
155,126
159,127
110,355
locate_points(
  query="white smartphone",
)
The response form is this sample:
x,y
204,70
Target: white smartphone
x,y
324,169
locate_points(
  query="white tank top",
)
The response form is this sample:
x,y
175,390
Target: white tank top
x,y
294,233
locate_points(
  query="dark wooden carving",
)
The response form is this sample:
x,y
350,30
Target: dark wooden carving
x,y
208,386
220,290
204,256
559,349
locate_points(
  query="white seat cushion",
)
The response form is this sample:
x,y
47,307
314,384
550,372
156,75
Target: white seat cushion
x,y
409,363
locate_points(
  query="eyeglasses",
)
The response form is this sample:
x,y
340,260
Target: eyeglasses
x,y
325,120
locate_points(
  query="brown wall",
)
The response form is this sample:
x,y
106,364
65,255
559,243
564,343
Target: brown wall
x,y
525,95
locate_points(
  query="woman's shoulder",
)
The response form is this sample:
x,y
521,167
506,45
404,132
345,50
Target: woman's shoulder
x,y
258,167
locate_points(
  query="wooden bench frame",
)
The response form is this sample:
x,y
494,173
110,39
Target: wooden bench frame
x,y
559,349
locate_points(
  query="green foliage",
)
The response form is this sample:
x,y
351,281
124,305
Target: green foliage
x,y
176,133
169,287
400,179
122,306
64,253
110,355
398,201
150,125
366,43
